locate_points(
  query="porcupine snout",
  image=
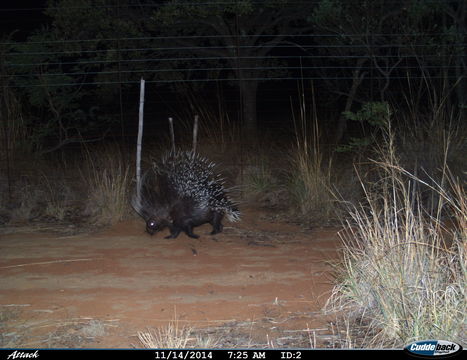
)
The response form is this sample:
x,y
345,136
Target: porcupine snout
x,y
152,226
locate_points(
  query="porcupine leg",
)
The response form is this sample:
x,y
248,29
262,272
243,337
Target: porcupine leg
x,y
174,232
189,231
185,225
216,223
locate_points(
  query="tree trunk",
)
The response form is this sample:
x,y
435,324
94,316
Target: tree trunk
x,y
248,97
356,81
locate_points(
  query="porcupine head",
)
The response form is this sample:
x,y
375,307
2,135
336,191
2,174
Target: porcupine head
x,y
154,204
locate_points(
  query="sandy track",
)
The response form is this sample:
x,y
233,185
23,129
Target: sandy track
x,y
260,280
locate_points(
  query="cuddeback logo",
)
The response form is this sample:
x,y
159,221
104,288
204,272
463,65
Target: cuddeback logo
x,y
433,348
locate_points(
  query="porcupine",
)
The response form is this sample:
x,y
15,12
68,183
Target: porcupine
x,y
182,191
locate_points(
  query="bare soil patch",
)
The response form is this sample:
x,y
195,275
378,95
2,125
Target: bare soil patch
x,y
262,281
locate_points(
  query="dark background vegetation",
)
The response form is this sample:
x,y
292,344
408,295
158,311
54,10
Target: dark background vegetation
x,y
259,73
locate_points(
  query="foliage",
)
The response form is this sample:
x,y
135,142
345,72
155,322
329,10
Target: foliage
x,y
235,36
368,47
90,50
13,133
53,68
375,114
69,74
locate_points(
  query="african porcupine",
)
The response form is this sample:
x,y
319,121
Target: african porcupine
x,y
181,192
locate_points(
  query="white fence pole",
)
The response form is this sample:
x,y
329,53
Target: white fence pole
x,y
140,140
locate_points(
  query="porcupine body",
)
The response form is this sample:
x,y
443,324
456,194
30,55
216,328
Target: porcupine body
x,y
182,191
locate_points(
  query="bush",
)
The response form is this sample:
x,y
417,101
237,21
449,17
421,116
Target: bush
x,y
404,272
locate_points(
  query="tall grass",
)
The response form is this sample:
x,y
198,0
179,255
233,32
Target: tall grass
x,y
310,178
310,184
404,271
107,177
217,131
59,197
430,144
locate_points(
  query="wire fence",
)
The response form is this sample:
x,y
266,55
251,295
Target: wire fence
x,y
293,59
212,66
289,59
304,68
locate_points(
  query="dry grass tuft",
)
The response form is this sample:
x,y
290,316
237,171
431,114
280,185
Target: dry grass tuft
x,y
108,179
169,337
404,272
173,336
310,180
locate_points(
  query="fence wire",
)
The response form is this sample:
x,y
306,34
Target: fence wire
x,y
381,60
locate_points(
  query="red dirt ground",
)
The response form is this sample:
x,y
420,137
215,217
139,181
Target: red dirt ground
x,y
260,282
